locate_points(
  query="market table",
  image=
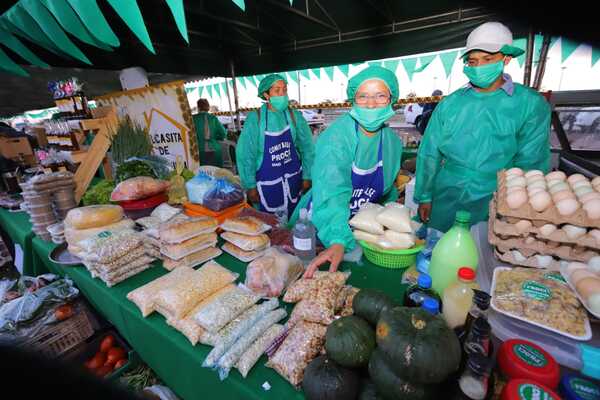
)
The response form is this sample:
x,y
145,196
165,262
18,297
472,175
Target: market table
x,y
169,353
19,228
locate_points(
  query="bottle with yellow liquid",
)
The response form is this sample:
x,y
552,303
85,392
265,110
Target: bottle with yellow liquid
x,y
455,249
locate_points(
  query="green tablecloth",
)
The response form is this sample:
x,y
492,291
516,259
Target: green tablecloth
x,y
18,227
169,353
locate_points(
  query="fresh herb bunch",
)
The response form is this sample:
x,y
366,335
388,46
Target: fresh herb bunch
x,y
130,140
132,169
99,193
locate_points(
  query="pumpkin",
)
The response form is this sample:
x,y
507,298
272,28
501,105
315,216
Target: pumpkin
x,y
420,346
392,387
369,303
350,341
368,391
324,379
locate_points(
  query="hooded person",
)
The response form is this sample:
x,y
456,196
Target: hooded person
x,y
209,131
275,151
491,124
357,159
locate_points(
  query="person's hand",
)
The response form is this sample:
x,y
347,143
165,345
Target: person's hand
x,y
425,212
334,255
306,185
253,196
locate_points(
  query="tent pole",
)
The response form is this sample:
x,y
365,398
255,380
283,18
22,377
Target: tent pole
x,y
228,96
298,78
541,68
238,125
528,58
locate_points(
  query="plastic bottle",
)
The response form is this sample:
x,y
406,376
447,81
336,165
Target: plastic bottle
x,y
416,294
304,235
474,381
430,305
479,308
458,298
455,249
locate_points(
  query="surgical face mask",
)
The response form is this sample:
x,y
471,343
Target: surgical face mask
x,y
485,75
372,118
279,103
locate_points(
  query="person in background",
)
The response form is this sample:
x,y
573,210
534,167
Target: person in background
x,y
275,151
209,132
426,113
357,161
478,130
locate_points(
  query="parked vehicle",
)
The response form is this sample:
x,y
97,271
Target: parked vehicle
x,y
412,113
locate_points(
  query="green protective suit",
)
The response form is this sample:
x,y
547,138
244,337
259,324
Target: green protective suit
x,y
469,138
337,147
250,147
217,132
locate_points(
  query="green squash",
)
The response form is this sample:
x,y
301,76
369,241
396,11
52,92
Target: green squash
x,y
324,379
368,391
392,387
350,341
420,346
369,303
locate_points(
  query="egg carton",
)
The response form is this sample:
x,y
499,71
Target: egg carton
x,y
532,261
530,246
550,215
507,227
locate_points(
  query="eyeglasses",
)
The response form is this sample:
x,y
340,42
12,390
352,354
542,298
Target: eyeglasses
x,y
380,98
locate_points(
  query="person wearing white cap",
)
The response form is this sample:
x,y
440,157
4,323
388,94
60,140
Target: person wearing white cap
x,y
491,124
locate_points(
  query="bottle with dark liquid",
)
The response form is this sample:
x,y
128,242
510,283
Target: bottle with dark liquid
x,y
479,308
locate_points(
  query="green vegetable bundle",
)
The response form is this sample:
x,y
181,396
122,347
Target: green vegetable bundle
x,y
99,193
132,169
130,140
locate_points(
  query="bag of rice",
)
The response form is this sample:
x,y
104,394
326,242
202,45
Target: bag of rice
x,y
366,219
395,217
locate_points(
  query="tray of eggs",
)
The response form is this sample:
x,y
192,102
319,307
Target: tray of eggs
x,y
584,279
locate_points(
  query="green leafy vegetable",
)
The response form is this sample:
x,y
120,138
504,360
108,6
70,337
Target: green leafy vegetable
x,y
99,193
132,169
130,140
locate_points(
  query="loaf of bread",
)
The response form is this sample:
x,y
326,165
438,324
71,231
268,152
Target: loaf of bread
x,y
93,216
245,225
244,256
247,243
74,236
177,251
181,230
196,258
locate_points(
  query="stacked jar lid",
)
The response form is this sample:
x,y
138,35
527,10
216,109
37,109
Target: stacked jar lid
x,y
48,198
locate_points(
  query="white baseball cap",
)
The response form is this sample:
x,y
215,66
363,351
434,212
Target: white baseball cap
x,y
492,37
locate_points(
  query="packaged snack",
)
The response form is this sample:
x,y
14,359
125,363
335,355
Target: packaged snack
x,y
187,326
366,221
392,240
108,246
305,287
190,246
193,259
542,298
266,218
395,217
245,225
243,256
347,309
128,262
269,275
222,195
126,275
225,308
227,336
247,243
257,349
366,236
179,299
319,305
165,212
301,346
137,188
93,216
178,230
149,222
245,341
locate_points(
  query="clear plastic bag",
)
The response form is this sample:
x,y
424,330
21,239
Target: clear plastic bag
x,y
392,240
306,287
366,221
181,229
227,336
110,246
190,246
395,217
271,274
143,297
179,299
225,308
222,195
300,347
247,243
193,259
198,187
250,226
257,349
126,275
243,343
137,188
319,305
165,212
243,256
132,256
107,275
366,236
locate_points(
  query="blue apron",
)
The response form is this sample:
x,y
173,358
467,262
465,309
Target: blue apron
x,y
279,178
367,184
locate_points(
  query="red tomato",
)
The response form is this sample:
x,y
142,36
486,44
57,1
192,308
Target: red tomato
x,y
120,363
103,371
97,361
107,343
114,354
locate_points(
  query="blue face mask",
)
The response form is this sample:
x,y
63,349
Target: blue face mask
x,y
485,75
279,103
372,118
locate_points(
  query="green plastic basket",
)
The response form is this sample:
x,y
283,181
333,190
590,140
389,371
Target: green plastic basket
x,y
394,259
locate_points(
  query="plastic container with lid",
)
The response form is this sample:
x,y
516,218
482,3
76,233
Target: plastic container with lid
x,y
458,297
573,387
416,294
47,218
136,209
518,358
524,389
455,249
430,305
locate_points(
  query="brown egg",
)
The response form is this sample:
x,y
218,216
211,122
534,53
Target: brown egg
x,y
581,274
586,287
563,194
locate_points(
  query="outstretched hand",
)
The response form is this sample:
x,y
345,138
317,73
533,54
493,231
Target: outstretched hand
x,y
333,255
